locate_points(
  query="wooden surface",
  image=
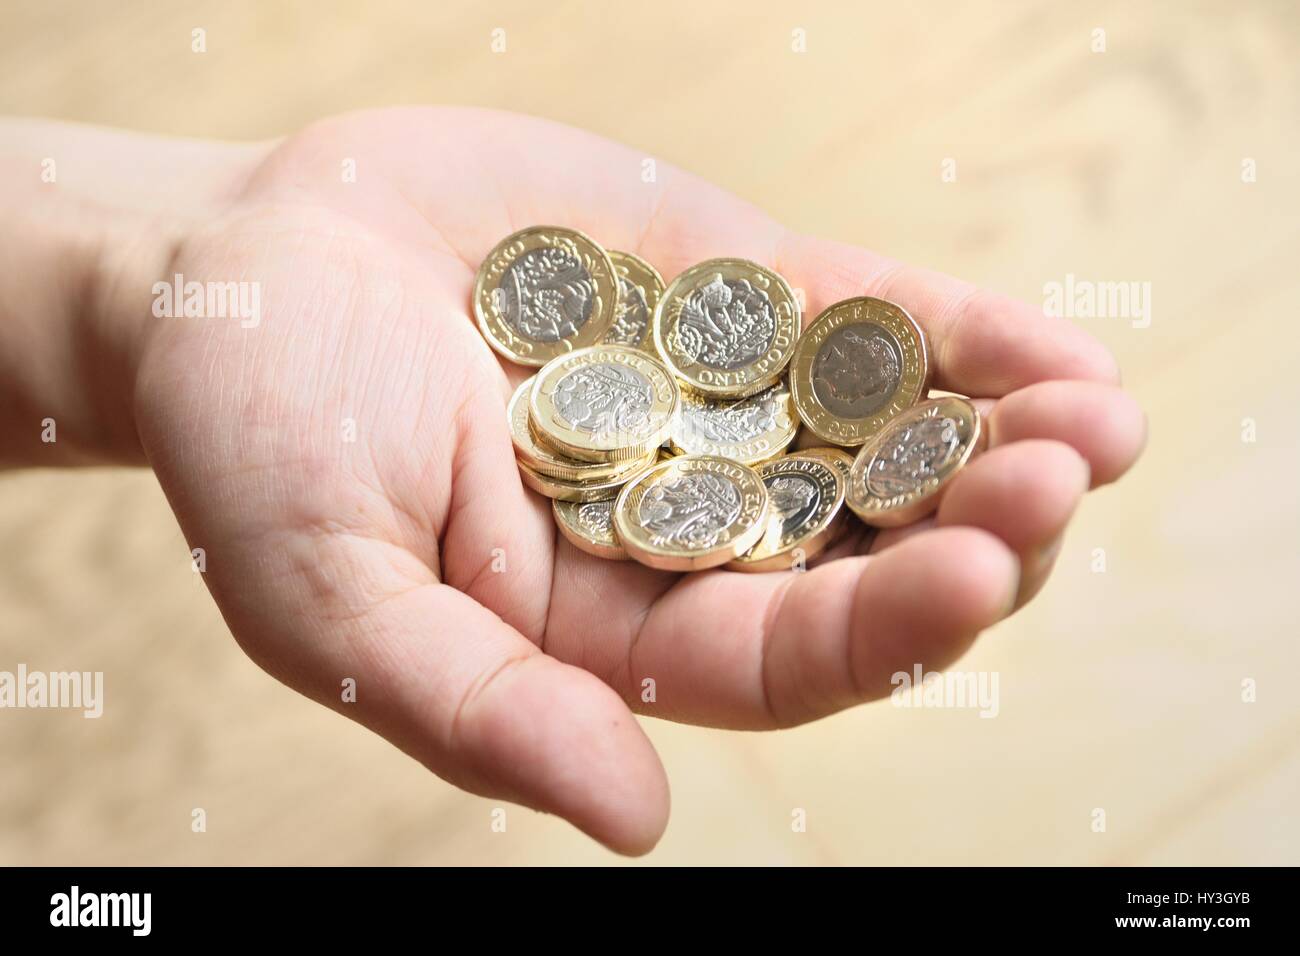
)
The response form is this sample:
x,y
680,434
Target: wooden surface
x,y
1119,690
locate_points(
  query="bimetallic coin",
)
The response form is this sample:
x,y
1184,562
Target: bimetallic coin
x,y
594,489
543,292
748,430
898,476
691,512
727,327
589,526
859,364
543,460
807,499
639,289
843,463
604,403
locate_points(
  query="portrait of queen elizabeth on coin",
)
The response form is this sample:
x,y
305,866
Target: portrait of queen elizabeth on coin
x,y
794,498
856,370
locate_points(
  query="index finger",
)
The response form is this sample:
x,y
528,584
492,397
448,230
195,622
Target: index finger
x,y
981,343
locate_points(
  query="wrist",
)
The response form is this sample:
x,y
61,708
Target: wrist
x,y
93,218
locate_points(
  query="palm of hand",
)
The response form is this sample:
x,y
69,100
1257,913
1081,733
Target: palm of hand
x,y
346,467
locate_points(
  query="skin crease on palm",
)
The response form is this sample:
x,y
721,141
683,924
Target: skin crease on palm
x,y
374,559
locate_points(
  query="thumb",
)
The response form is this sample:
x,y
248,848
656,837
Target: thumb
x,y
471,698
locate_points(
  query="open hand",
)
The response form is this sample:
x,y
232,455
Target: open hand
x,y
346,467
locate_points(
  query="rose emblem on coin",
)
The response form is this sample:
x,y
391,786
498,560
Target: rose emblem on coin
x,y
546,294
690,511
633,315
915,457
604,399
597,518
726,323
739,421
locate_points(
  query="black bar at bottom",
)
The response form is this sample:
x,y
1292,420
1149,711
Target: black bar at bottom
x,y
439,906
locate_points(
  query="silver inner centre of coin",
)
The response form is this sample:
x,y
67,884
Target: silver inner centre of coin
x,y
857,369
604,399
726,323
794,497
633,316
545,295
733,421
691,511
597,518
915,455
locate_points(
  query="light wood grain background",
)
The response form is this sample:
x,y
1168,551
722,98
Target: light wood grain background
x,y
1119,690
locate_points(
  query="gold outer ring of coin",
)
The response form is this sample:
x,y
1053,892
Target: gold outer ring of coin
x,y
563,436
635,271
882,491
913,374
774,552
691,437
510,342
568,518
758,374
540,458
838,457
592,490
843,463
670,553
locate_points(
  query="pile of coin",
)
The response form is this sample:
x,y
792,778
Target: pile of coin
x,y
660,419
